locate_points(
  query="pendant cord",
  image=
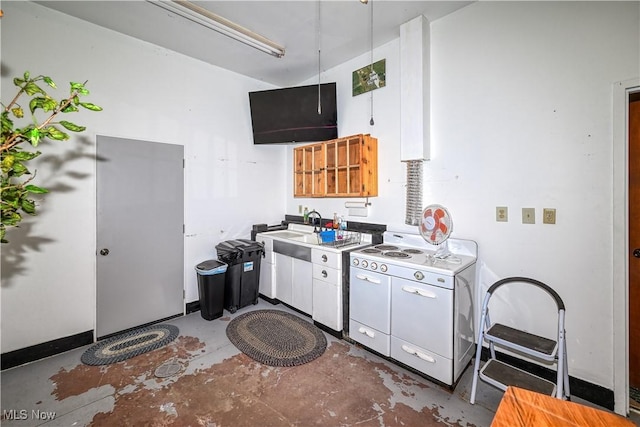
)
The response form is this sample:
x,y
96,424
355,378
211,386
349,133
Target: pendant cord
x,y
371,122
319,50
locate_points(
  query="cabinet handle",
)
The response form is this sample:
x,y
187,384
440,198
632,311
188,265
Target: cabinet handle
x,y
422,356
324,273
324,258
366,332
368,279
417,291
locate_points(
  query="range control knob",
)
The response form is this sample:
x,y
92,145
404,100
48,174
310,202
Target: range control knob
x,y
374,266
383,267
355,261
418,275
365,264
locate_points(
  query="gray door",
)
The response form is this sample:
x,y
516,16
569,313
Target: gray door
x,y
140,242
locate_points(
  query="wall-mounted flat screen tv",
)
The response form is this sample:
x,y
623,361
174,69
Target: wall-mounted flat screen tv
x,y
291,114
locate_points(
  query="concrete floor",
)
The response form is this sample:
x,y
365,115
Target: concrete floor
x,y
219,386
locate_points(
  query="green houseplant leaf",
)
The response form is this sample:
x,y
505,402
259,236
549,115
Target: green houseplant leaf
x,y
15,177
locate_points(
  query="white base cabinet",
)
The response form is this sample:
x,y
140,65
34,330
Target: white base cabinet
x,y
327,288
305,275
293,278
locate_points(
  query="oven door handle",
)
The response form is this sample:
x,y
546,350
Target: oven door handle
x,y
368,279
416,353
417,291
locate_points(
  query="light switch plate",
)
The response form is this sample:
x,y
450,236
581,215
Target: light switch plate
x,y
502,213
548,216
528,215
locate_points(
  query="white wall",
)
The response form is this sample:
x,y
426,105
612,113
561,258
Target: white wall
x,y
521,114
148,93
521,117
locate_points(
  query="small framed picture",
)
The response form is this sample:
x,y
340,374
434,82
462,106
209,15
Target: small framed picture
x,y
368,78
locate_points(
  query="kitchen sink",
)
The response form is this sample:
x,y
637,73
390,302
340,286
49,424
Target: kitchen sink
x,y
306,238
285,234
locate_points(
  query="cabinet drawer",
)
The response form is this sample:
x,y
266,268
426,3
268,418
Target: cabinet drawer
x,y
427,362
369,337
327,274
326,258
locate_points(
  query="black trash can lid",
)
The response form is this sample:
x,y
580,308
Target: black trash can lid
x,y
212,266
237,246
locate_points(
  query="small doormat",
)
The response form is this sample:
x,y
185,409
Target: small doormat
x,y
276,338
129,344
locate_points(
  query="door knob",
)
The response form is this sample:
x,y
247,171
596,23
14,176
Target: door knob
x,y
104,252
636,252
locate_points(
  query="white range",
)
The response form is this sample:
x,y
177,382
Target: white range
x,y
414,305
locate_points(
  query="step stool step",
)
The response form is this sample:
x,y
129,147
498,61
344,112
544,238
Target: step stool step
x,y
505,334
502,375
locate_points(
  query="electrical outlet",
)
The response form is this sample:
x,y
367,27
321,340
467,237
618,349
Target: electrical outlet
x,y
548,216
502,214
528,215
299,208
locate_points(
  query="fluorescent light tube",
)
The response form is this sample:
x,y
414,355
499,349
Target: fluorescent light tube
x,y
208,19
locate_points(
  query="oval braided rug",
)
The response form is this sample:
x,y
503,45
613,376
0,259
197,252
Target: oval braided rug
x,y
129,344
276,338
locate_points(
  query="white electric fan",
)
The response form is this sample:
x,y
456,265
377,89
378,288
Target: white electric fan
x,y
435,227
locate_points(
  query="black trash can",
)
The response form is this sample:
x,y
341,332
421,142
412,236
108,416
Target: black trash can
x,y
242,280
211,284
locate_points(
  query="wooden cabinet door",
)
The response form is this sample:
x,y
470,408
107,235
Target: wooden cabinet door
x,y
309,171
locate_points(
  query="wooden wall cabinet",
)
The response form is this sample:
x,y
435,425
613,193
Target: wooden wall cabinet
x,y
343,167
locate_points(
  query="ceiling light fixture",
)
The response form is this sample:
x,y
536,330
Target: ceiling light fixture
x,y
208,19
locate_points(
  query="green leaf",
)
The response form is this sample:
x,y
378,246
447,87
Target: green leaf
x,y
34,136
76,86
31,89
11,218
27,75
46,104
26,155
90,106
55,134
19,169
18,81
10,202
3,233
35,189
69,109
29,206
72,127
18,112
50,82
7,163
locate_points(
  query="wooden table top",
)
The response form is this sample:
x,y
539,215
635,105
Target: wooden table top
x,y
524,408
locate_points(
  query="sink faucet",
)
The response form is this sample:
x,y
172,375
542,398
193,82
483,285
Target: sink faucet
x,y
317,214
